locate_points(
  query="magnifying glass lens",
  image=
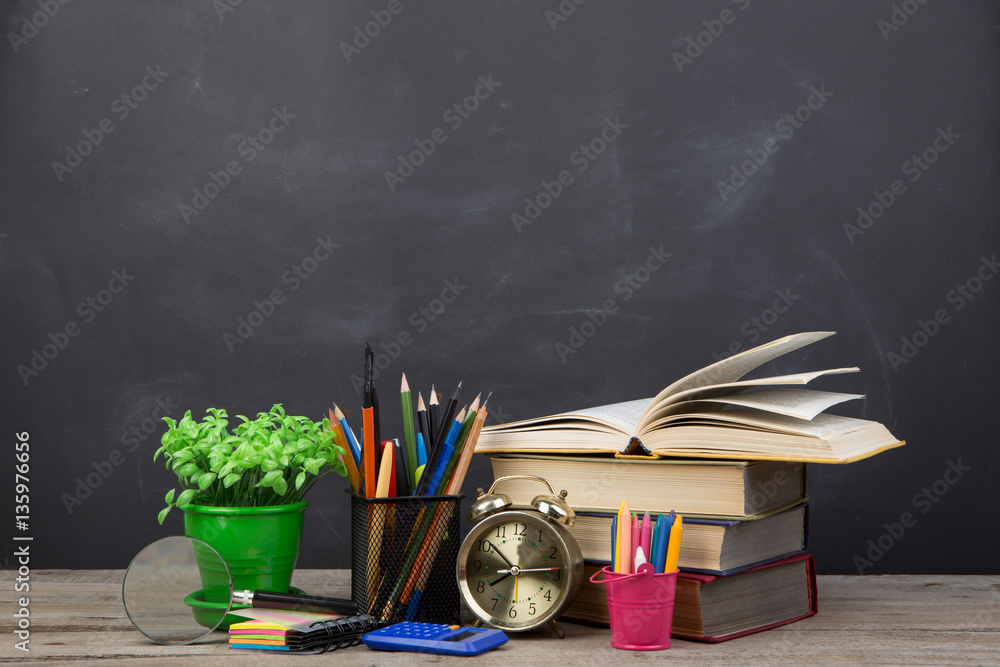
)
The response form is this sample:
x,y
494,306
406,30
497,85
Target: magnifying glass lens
x,y
177,590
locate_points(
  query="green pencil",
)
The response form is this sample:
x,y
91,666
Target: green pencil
x,y
408,434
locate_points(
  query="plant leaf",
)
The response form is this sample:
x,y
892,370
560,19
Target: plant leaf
x,y
186,496
169,498
163,514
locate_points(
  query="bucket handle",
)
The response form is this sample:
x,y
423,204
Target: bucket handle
x,y
645,570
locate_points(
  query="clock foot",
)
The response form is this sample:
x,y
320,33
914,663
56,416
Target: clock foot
x,y
477,624
555,628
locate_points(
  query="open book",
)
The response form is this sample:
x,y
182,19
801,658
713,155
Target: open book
x,y
711,413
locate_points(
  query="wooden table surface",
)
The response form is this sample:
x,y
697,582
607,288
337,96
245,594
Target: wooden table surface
x,y
77,618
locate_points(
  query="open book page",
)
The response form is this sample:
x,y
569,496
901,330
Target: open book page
x,y
799,403
823,426
735,367
620,416
714,390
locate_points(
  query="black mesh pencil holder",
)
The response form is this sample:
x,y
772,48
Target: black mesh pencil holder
x,y
403,555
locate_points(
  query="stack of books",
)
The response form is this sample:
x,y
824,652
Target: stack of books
x,y
729,455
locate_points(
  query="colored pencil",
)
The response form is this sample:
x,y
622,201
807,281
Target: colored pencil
x,y
424,430
346,457
433,416
448,415
438,482
409,437
351,440
463,436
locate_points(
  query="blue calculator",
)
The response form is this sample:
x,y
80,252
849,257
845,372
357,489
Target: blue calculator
x,y
434,638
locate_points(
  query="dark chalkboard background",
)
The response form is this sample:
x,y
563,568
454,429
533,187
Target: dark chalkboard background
x,y
885,82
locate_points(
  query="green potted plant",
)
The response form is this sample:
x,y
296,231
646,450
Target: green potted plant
x,y
243,490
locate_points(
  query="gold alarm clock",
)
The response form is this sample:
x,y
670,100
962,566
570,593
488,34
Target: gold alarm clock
x,y
519,569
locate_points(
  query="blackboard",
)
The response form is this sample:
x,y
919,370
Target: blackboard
x,y
215,204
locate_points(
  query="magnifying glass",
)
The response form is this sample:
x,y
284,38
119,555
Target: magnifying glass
x,y
179,589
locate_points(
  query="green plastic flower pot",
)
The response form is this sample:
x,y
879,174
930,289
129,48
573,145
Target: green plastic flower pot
x,y
259,544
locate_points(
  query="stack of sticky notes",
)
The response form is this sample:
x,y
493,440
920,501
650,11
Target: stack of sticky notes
x,y
284,630
635,542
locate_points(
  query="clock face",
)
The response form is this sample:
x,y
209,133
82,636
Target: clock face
x,y
515,570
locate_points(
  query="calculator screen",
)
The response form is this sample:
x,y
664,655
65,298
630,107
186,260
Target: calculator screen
x,y
464,635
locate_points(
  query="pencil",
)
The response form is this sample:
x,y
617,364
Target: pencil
x,y
449,415
463,435
409,437
432,420
385,474
423,428
368,435
462,466
346,457
351,440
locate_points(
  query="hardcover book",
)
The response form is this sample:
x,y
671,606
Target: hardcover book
x,y
711,413
712,608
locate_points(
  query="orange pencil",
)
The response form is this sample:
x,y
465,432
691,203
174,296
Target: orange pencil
x,y
345,457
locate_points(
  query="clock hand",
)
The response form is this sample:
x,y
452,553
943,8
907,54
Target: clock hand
x,y
500,553
505,573
535,569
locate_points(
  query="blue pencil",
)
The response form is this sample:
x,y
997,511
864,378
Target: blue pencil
x,y
351,440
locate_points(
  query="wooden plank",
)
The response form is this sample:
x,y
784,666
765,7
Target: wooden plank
x,y
78,619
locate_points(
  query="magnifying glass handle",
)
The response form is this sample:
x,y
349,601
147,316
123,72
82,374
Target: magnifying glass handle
x,y
272,600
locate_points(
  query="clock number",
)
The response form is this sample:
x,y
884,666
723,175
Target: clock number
x,y
539,535
501,531
554,552
555,575
478,565
548,595
523,531
481,544
513,612
531,609
495,600
481,586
